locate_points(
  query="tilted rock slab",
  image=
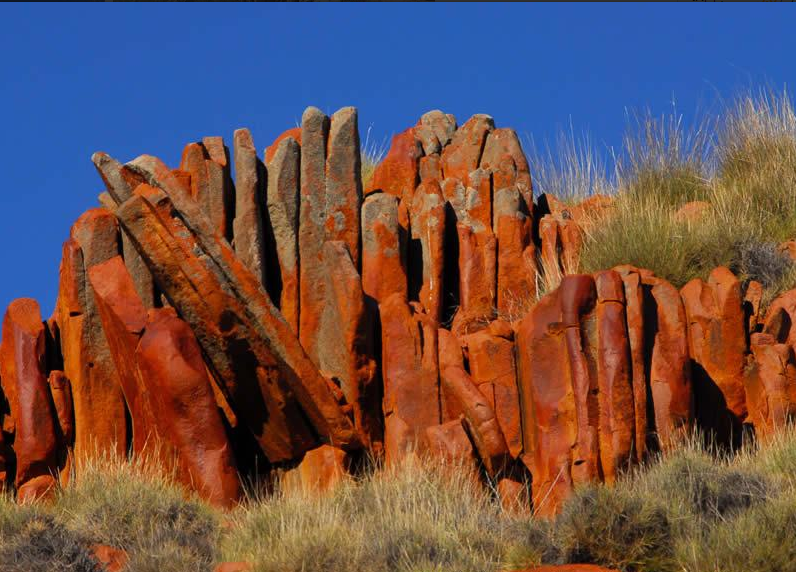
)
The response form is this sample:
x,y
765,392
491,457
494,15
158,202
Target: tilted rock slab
x,y
252,350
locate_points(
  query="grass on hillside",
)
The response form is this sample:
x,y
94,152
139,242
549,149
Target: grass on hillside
x,y
689,511
742,163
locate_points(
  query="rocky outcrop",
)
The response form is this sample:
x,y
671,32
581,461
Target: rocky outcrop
x,y
294,324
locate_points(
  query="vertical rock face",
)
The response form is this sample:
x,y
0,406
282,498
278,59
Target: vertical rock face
x,y
283,210
428,245
318,324
248,224
615,385
384,238
411,379
24,382
493,370
346,349
397,174
170,361
251,348
99,406
717,345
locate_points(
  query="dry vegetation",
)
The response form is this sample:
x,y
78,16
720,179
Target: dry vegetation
x,y
742,163
691,511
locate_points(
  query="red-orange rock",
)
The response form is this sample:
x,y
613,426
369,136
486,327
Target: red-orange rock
x,y
219,202
547,403
516,255
617,420
346,348
61,394
492,368
634,314
499,144
450,441
284,165
24,383
478,200
550,247
312,231
515,496
123,317
242,334
397,174
786,302
753,299
270,151
248,228
477,271
112,559
431,169
717,344
343,184
427,218
450,354
435,130
172,369
384,243
321,470
770,384
411,400
463,154
670,365
578,298
99,406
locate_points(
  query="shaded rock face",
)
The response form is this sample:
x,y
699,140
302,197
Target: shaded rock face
x,y
244,314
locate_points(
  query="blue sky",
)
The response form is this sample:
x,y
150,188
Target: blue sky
x,y
141,78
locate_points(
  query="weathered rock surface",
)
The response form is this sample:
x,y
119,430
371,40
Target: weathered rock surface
x,y
307,327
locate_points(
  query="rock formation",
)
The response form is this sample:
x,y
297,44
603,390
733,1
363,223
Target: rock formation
x,y
289,321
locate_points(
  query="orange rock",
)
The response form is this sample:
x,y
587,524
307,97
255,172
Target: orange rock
x,y
171,366
411,400
251,348
112,559
789,248
343,184
397,174
670,365
450,441
770,384
435,130
478,199
450,354
183,178
786,302
284,164
312,231
430,169
248,228
61,394
516,255
463,154
479,418
477,271
514,496
271,150
24,384
578,298
346,348
717,344
321,470
634,314
492,367
123,317
37,489
384,242
547,403
617,420
219,202
550,247
99,406
752,300
502,144
427,218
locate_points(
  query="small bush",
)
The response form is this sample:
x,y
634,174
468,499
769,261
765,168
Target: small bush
x,y
615,528
761,261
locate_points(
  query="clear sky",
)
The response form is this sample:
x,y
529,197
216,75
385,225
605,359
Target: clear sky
x,y
142,78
